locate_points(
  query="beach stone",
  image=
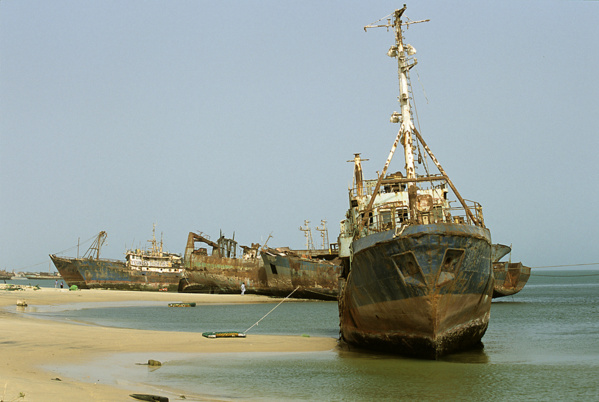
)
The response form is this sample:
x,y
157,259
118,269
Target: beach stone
x,y
154,363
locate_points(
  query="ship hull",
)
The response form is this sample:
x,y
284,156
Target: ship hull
x,y
109,274
212,274
314,279
510,278
424,292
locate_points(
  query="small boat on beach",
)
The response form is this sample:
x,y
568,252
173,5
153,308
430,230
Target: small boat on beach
x,y
149,397
225,334
192,304
417,277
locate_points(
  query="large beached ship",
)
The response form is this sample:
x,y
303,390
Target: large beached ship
x,y
214,267
312,274
150,269
417,276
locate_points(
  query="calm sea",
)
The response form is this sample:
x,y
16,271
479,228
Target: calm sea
x,y
542,344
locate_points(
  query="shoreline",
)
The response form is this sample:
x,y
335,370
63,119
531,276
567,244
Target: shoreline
x,y
31,345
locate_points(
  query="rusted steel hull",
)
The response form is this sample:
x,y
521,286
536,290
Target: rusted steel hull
x,y
109,274
510,278
315,279
213,274
68,271
423,292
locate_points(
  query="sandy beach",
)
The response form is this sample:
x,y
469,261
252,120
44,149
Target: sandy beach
x,y
29,343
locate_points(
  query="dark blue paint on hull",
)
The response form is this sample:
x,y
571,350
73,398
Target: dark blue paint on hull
x,y
108,274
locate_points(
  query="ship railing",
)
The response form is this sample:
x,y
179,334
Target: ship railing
x,y
393,185
459,214
368,189
391,216
103,259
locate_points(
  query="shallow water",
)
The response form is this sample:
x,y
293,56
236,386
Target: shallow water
x,y
42,283
542,344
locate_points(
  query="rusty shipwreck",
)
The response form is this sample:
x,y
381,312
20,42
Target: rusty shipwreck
x,y
310,274
314,273
510,277
214,267
417,277
150,269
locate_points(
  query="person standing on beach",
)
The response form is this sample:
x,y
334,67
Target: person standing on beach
x,y
55,284
242,288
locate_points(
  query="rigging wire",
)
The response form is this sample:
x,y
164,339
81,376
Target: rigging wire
x,y
563,276
60,252
74,247
286,297
563,266
386,16
423,91
568,265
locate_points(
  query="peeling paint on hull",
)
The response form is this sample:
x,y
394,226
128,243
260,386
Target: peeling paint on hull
x,y
424,293
316,279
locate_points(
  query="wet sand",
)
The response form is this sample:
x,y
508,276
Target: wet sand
x,y
27,344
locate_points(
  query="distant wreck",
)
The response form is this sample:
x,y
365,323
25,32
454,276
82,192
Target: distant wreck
x,y
152,269
510,277
213,267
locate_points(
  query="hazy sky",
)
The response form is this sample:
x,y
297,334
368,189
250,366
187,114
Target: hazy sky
x,y
241,115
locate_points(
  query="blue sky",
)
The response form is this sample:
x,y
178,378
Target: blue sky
x,y
241,115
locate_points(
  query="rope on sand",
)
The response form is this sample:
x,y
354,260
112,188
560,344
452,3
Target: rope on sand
x,y
286,297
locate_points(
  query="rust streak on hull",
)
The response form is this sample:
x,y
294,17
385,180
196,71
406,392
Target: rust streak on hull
x,y
430,326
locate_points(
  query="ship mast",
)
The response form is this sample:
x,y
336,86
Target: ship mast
x,y
404,135
407,126
93,252
407,129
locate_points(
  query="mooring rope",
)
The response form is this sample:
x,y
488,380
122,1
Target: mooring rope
x,y
532,273
563,276
320,293
286,297
569,265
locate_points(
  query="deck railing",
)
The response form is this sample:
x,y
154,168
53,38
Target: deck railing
x,y
391,216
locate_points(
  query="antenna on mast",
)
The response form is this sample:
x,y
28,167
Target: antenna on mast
x,y
308,233
324,233
404,136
